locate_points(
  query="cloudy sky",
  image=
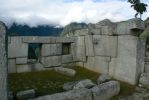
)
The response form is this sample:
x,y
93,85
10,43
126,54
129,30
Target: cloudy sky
x,y
62,12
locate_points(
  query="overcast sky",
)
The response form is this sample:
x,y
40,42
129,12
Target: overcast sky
x,y
62,12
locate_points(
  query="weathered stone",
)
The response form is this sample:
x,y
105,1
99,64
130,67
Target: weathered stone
x,y
81,32
95,31
77,94
125,67
89,45
23,68
144,80
80,64
12,66
69,85
103,78
86,83
74,51
66,71
146,67
51,61
98,64
106,90
67,58
39,39
25,95
105,45
80,49
21,60
3,63
107,30
105,22
17,49
36,67
65,39
126,27
51,49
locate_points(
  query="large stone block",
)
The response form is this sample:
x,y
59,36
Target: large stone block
x,y
77,94
65,39
146,67
21,60
51,49
95,31
12,66
106,90
126,27
107,30
81,32
67,58
98,64
23,68
125,67
51,61
80,49
3,63
105,45
39,39
16,48
89,45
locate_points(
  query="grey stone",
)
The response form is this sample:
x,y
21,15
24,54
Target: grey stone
x,y
69,85
67,58
21,60
103,78
144,80
39,39
25,95
12,66
105,22
65,39
105,45
146,67
106,90
95,31
140,90
98,64
17,49
3,63
107,30
66,71
51,49
10,95
23,68
126,27
77,94
80,64
86,83
89,45
36,67
125,67
81,32
80,49
51,61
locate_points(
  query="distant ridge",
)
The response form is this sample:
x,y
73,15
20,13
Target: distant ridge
x,y
24,30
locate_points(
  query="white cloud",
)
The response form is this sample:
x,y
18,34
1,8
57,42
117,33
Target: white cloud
x,y
58,12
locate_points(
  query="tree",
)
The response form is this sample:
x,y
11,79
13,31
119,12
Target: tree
x,y
139,7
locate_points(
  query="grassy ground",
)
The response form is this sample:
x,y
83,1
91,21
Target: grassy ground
x,y
49,82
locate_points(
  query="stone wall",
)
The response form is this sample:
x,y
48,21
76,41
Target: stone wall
x,y
51,52
113,48
3,63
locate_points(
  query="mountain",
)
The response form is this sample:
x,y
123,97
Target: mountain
x,y
24,30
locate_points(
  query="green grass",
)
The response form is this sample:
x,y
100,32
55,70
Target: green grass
x,y
49,82
46,82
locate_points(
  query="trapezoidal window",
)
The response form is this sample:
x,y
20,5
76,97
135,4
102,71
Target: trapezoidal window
x,y
66,48
34,52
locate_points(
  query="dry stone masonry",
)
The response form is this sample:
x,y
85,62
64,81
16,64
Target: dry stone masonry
x,y
3,63
112,48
